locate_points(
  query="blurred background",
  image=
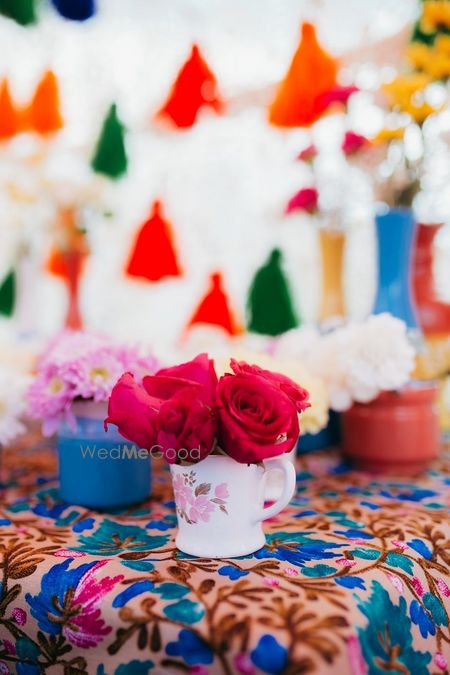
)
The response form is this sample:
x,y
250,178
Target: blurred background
x,y
225,114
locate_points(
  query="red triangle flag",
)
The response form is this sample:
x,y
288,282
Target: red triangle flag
x,y
214,308
195,87
153,256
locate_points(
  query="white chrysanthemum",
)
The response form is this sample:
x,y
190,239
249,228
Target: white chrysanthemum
x,y
12,404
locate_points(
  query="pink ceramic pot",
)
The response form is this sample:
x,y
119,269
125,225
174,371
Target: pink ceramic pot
x,y
397,433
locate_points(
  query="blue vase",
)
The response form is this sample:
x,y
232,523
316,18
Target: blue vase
x,y
100,470
396,233
329,437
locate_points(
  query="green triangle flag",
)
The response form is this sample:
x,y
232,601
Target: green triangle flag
x,y
110,156
8,294
22,11
269,302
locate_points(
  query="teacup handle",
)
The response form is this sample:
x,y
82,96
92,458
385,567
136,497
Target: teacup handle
x,y
288,469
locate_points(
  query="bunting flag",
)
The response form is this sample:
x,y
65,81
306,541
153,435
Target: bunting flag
x,y
22,11
43,114
153,256
75,10
195,87
9,116
269,303
299,99
110,155
214,308
8,294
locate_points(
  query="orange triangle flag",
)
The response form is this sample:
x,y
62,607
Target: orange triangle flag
x,y
43,114
195,87
311,74
9,118
154,255
214,308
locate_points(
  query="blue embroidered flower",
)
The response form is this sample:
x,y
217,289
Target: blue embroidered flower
x,y
113,538
351,582
296,548
158,525
185,611
192,649
85,524
134,667
269,656
420,617
132,591
421,548
231,572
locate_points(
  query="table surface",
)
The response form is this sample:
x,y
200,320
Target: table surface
x,y
354,579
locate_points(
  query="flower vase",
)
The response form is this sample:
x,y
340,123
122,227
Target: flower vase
x,y
397,433
332,246
97,469
220,505
434,315
396,232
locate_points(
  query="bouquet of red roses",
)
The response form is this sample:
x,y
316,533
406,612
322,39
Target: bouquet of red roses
x,y
250,414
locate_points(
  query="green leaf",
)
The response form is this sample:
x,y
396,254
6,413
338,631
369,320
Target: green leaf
x,y
365,553
318,571
436,609
401,561
26,649
185,611
171,591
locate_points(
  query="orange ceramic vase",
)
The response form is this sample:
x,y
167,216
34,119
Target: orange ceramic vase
x,y
332,245
397,433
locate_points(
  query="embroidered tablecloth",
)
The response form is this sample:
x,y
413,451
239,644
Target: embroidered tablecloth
x,y
354,579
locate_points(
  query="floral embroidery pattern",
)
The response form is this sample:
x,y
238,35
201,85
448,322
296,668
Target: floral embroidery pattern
x,y
194,502
354,578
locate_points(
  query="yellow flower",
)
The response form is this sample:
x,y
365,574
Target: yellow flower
x,y
439,67
442,44
420,55
387,135
406,94
435,15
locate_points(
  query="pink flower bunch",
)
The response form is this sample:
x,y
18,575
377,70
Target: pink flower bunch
x,y
308,154
75,366
250,414
306,199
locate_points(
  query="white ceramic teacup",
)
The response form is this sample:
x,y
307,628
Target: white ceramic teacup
x,y
220,504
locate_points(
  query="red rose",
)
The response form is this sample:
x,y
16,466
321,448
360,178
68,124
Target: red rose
x,y
257,420
298,395
306,199
186,422
133,411
197,373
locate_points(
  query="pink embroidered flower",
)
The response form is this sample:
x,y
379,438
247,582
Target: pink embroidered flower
x,y
85,627
399,544
66,553
291,572
201,509
353,142
440,661
306,199
4,670
345,562
9,647
271,581
396,582
418,587
357,662
308,154
445,590
198,670
243,664
221,491
20,616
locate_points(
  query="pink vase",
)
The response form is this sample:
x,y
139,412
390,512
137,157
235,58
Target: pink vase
x,y
397,433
